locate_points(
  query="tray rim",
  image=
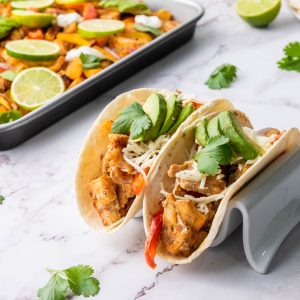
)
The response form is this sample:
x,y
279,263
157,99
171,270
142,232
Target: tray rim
x,y
199,12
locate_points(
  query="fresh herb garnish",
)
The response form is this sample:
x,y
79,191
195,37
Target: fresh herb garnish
x,y
150,29
78,279
217,152
291,60
9,75
125,5
9,116
90,61
222,77
6,25
132,119
1,199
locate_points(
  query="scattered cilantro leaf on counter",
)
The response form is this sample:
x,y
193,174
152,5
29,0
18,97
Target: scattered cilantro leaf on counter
x,y
9,75
217,151
291,60
78,279
139,125
222,77
150,29
9,116
90,61
126,118
1,199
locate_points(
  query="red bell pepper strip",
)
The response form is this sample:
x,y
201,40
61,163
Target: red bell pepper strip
x,y
89,11
152,239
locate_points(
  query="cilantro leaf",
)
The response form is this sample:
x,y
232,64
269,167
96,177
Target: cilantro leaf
x,y
222,77
77,278
207,164
217,152
139,126
9,75
9,116
81,282
55,289
126,118
6,25
1,199
150,29
291,60
90,61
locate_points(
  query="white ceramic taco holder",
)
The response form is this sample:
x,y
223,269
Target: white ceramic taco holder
x,y
268,209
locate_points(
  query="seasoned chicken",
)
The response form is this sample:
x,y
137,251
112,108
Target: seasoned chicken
x,y
105,199
112,192
212,184
114,155
182,223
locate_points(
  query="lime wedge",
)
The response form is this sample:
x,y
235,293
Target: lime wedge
x,y
32,4
100,27
35,86
258,13
32,19
32,50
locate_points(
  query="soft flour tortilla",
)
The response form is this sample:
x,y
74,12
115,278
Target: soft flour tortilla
x,y
95,145
177,152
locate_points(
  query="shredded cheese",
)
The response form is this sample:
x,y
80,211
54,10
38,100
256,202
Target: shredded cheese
x,y
141,155
264,142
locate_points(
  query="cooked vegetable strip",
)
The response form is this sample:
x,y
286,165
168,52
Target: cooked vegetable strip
x,y
75,40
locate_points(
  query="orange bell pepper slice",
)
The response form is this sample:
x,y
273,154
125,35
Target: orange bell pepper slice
x,y
152,239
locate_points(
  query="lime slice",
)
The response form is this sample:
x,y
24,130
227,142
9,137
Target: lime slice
x,y
32,19
32,4
258,13
32,50
35,86
100,27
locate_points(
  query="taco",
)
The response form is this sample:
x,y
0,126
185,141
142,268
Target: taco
x,y
200,170
121,150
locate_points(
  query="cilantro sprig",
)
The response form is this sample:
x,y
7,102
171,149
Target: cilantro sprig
x,y
217,152
9,116
222,77
150,29
291,60
6,25
78,279
132,120
1,199
90,61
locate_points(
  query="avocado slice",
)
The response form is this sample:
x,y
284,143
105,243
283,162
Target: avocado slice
x,y
201,132
187,110
174,107
156,108
213,127
241,143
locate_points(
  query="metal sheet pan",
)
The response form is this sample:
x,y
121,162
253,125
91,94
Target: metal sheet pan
x,y
187,12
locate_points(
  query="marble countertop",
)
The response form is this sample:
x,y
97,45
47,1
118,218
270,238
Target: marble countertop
x,y
40,226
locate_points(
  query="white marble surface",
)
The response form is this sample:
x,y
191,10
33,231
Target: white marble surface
x,y
40,226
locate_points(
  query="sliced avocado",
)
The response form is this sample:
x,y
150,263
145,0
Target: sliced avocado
x,y
201,132
241,143
174,107
156,108
213,127
187,110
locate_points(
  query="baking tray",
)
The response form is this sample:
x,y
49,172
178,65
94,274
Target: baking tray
x,y
186,12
